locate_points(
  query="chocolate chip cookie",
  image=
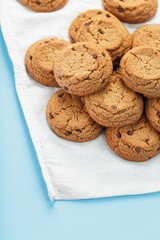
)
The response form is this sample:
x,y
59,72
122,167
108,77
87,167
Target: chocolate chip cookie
x,y
86,16
141,72
44,5
148,35
69,119
132,11
115,105
113,36
40,58
153,112
138,142
83,68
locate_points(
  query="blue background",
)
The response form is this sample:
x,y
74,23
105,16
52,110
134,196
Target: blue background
x,y
26,212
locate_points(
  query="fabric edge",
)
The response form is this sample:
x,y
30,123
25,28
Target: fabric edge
x,y
10,43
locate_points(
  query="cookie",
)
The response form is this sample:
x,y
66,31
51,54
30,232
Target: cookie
x,y
83,68
153,112
44,5
40,58
69,119
112,35
148,35
115,105
86,16
132,11
138,142
141,72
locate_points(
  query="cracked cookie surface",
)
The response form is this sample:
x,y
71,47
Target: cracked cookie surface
x,y
86,16
115,105
140,70
132,11
112,35
148,35
40,58
83,68
67,116
153,112
138,142
44,5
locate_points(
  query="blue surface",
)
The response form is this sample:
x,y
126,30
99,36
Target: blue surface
x,y
26,212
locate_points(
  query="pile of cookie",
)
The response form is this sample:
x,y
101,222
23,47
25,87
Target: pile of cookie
x,y
106,76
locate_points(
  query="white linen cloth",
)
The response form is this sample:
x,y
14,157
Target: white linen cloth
x,y
70,170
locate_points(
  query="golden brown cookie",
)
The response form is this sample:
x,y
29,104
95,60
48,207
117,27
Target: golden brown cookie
x,y
112,35
148,35
153,112
86,16
141,72
83,68
40,58
69,119
132,11
115,105
44,5
138,142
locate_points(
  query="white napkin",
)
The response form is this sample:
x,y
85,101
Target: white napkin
x,y
70,170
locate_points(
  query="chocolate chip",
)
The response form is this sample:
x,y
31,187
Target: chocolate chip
x,y
30,57
61,95
107,15
38,3
147,140
51,116
59,77
46,41
119,135
149,157
73,49
158,149
65,88
100,31
72,40
138,150
158,114
103,54
103,81
87,23
120,10
87,78
51,72
95,56
99,12
130,133
78,130
68,133
113,107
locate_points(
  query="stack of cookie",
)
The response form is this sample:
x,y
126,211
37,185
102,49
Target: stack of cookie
x,y
99,92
